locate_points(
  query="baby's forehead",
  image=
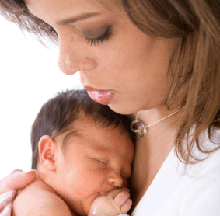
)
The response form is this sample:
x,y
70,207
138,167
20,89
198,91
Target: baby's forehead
x,y
96,133
84,122
84,126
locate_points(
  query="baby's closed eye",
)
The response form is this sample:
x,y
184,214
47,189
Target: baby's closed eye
x,y
101,161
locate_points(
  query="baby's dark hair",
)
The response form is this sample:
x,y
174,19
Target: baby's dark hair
x,y
59,113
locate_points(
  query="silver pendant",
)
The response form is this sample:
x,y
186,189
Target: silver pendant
x,y
138,127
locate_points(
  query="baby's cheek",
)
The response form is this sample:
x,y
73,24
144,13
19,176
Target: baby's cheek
x,y
91,184
95,187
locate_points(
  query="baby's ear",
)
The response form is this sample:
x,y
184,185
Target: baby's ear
x,y
48,149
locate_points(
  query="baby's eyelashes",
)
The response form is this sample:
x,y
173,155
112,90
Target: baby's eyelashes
x,y
102,161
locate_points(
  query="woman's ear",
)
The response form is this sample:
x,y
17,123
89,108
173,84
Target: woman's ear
x,y
48,149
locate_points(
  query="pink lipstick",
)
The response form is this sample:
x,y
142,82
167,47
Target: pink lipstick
x,y
100,96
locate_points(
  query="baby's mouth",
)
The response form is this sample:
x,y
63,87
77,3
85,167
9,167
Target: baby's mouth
x,y
103,193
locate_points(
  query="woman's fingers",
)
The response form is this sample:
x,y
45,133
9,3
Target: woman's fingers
x,y
6,202
16,180
8,186
7,210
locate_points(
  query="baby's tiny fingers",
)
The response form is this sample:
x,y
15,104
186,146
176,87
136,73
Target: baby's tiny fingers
x,y
7,210
126,206
6,198
121,198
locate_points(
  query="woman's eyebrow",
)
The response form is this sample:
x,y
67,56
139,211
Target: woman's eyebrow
x,y
77,18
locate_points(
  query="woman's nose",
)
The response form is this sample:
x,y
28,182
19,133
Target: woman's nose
x,y
73,59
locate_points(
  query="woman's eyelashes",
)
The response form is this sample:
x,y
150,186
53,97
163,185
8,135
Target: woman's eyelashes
x,y
98,35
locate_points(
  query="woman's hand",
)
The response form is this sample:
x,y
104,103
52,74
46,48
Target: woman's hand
x,y
115,203
15,181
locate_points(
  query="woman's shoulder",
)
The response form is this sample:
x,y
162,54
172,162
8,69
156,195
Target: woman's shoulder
x,y
38,199
207,167
203,192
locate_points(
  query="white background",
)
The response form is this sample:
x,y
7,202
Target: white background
x,y
29,76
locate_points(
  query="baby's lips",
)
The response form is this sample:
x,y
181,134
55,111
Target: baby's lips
x,y
126,189
103,193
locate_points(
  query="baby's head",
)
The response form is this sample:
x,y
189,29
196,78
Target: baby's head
x,y
81,148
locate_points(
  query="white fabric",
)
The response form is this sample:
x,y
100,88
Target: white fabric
x,y
180,191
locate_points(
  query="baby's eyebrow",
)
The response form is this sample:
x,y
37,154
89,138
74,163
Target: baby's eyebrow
x,y
68,136
82,16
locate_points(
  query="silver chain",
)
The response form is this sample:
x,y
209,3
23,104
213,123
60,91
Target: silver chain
x,y
141,129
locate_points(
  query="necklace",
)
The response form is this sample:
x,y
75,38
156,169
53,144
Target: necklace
x,y
137,126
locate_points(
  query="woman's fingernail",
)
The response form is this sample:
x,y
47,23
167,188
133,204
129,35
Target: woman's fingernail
x,y
9,195
17,170
7,210
33,170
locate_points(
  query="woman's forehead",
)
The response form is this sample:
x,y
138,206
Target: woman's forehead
x,y
107,3
87,4
61,9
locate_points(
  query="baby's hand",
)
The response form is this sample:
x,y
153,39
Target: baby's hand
x,y
115,203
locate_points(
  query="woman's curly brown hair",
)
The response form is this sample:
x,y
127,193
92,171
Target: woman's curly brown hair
x,y
17,12
194,65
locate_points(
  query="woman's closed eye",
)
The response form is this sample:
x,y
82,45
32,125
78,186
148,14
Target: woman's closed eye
x,y
97,35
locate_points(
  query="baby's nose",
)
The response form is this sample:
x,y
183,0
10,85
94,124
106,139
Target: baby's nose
x,y
117,181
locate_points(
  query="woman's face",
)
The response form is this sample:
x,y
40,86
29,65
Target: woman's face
x,y
119,65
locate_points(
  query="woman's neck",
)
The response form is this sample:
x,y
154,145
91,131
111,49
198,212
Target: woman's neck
x,y
152,149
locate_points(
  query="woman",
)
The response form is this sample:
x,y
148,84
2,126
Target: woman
x,y
160,57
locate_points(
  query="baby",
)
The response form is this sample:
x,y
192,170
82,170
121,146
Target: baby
x,y
83,152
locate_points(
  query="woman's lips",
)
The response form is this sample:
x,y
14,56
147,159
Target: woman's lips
x,y
100,96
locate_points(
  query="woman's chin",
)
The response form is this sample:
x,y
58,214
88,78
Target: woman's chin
x,y
122,109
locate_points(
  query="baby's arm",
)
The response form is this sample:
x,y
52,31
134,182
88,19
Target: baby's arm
x,y
116,203
37,202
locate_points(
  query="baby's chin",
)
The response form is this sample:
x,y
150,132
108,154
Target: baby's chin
x,y
83,207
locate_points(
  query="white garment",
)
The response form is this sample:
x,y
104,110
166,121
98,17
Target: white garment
x,y
177,191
